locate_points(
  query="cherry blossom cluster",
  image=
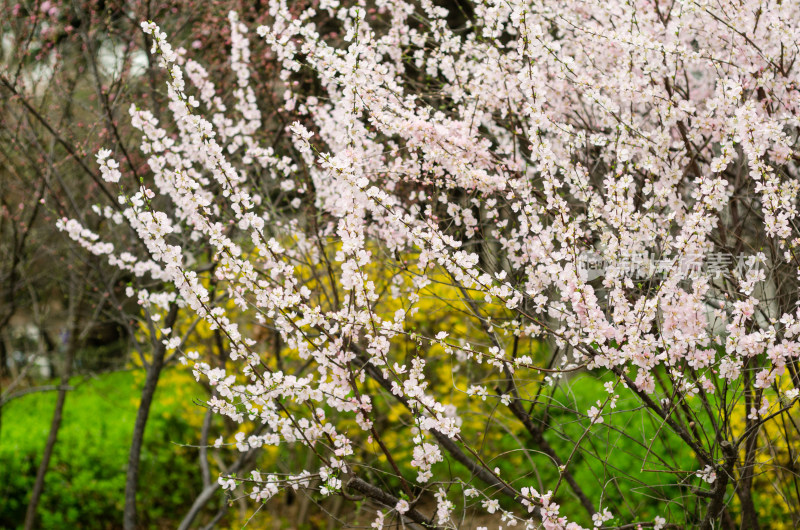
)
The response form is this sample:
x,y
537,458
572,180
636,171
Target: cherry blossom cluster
x,y
491,158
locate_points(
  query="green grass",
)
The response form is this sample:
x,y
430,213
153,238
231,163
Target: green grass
x,y
86,479
618,463
621,461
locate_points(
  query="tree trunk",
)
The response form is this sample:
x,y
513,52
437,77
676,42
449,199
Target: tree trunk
x,y
55,425
150,383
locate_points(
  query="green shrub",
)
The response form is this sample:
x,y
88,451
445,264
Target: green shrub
x,y
85,483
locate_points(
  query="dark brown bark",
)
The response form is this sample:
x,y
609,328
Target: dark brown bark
x,y
377,494
744,489
717,504
129,520
55,426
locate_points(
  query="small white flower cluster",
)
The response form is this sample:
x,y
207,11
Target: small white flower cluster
x,y
109,168
707,474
